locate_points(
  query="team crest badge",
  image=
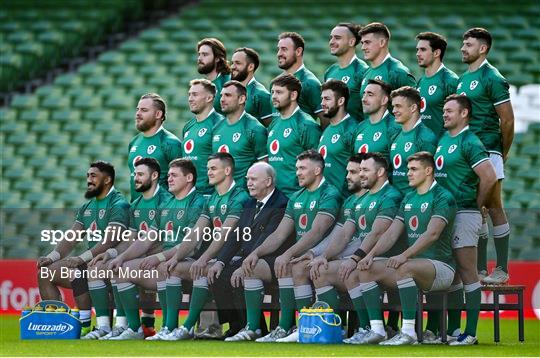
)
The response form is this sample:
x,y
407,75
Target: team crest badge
x,y
424,207
377,136
432,89
101,213
335,138
379,77
372,205
452,148
151,149
345,79
223,209
287,132
179,214
473,85
151,214
212,208
407,146
323,151
312,205
439,162
413,223
189,145
303,221
202,132
236,137
274,147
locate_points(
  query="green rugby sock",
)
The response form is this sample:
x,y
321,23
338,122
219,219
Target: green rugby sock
x,y
253,294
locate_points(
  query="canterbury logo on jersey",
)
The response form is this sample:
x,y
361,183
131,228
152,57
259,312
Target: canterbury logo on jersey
x,y
133,149
297,205
87,213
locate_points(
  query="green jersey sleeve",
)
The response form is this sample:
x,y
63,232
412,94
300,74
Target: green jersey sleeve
x,y
264,103
427,141
120,214
79,214
258,141
289,210
390,205
312,95
311,134
403,78
498,89
444,205
235,206
474,151
173,149
330,202
196,209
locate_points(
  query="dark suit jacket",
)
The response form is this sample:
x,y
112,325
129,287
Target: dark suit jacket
x,y
261,227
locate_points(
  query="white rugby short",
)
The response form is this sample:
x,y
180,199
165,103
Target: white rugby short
x,y
467,225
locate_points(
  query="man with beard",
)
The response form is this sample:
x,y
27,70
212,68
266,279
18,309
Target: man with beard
x,y
153,141
290,56
337,140
240,134
350,69
197,133
143,213
245,62
492,120
437,83
212,62
377,133
107,212
291,133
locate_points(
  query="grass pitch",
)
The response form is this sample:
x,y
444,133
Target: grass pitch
x,y
11,345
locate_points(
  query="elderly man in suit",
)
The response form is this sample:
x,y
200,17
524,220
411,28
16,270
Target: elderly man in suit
x,y
262,214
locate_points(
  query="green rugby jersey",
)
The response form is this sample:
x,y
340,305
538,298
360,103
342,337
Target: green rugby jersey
x,y
348,208
245,140
455,161
391,71
145,212
219,81
416,211
434,90
486,88
229,205
310,96
96,215
336,147
197,137
352,76
259,101
405,144
288,137
163,146
176,215
376,137
304,205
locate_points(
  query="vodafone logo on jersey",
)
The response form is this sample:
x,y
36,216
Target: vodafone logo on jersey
x,y
439,162
323,151
143,226
362,222
224,148
136,159
303,221
413,223
189,145
422,105
397,161
93,226
364,148
169,226
216,222
274,146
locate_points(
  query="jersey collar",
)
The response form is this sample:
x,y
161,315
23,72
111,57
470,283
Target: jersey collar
x,y
251,81
293,113
210,113
321,183
417,123
347,115
353,59
156,191
432,185
300,69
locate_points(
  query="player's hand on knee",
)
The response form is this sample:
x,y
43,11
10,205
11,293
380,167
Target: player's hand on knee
x,y
197,269
249,264
104,256
44,261
280,265
307,256
396,261
170,265
214,272
365,263
74,262
115,264
237,278
315,265
149,262
345,269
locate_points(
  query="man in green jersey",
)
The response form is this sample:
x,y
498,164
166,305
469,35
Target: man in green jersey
x,y
289,134
377,133
375,38
212,62
350,69
153,141
244,63
437,82
196,253
198,132
311,213
143,212
427,216
102,220
492,120
463,167
240,134
290,56
337,140
413,137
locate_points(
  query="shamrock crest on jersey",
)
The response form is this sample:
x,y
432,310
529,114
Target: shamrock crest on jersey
x,y
287,132
202,132
432,89
473,85
424,207
236,137
377,136
151,149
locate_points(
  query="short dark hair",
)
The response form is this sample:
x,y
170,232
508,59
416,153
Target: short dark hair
x,y
436,41
379,159
480,34
296,38
288,81
225,158
463,101
186,167
151,163
377,28
240,88
353,28
104,167
220,53
426,158
312,155
158,102
357,157
339,88
251,55
384,86
207,84
410,93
